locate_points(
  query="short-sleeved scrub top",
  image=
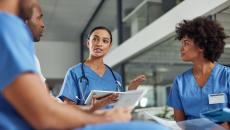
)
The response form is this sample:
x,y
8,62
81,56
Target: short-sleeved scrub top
x,y
16,57
186,95
77,90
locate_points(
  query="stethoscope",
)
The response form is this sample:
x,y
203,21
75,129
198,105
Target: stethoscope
x,y
84,79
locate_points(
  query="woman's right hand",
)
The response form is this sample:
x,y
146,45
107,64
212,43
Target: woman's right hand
x,y
102,102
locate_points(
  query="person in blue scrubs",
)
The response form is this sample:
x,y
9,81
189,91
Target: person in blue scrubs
x,y
205,86
25,103
93,74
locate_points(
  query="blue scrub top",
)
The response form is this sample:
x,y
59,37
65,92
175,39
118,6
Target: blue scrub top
x,y
186,95
77,91
16,57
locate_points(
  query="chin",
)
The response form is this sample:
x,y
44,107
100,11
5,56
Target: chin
x,y
98,56
184,59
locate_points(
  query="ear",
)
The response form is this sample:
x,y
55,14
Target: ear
x,y
87,44
110,45
201,50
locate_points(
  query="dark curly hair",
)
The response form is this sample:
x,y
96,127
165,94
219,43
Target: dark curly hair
x,y
206,34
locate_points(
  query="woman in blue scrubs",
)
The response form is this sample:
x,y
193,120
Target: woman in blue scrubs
x,y
206,85
93,74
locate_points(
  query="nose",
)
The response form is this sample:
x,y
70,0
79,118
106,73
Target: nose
x,y
42,24
99,43
181,49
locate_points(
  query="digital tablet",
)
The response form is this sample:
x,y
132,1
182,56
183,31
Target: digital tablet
x,y
125,99
99,94
218,115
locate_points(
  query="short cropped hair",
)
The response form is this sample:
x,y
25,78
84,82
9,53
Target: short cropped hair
x,y
206,34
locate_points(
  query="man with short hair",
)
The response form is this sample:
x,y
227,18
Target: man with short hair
x,y
36,24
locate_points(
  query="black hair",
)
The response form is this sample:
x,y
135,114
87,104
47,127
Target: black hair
x,y
206,34
103,28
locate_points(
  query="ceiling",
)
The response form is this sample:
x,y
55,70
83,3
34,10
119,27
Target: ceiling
x,y
66,19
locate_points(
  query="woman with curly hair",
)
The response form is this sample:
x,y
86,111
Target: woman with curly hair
x,y
207,83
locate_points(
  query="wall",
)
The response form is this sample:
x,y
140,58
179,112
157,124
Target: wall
x,y
56,57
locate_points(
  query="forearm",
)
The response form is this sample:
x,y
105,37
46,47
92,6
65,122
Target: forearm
x,y
69,117
88,109
29,97
179,115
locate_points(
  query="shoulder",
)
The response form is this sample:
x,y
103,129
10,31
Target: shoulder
x,y
223,70
13,26
7,18
222,67
183,79
186,74
116,74
10,22
75,68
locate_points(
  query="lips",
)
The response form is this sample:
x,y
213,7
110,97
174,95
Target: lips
x,y
41,33
98,50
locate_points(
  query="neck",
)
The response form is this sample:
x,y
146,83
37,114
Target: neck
x,y
203,67
95,62
10,6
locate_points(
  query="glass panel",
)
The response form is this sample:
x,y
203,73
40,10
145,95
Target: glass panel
x,y
161,63
223,18
144,13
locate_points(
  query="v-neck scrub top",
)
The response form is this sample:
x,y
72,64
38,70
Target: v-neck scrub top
x,y
77,91
188,96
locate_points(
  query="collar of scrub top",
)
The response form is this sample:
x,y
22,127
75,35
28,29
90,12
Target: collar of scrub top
x,y
83,77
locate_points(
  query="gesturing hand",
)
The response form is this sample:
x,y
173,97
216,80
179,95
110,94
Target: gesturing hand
x,y
136,82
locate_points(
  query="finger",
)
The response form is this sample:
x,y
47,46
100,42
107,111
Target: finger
x,y
93,98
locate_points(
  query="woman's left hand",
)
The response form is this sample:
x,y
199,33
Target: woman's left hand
x,y
136,82
102,102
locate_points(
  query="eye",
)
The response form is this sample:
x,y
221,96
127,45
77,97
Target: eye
x,y
187,42
106,41
94,39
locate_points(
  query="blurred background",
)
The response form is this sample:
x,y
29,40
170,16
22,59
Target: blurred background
x,y
143,39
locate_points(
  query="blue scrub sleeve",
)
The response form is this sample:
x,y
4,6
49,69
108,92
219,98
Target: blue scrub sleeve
x,y
174,99
134,125
70,87
16,50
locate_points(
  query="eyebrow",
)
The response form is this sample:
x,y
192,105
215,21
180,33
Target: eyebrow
x,y
102,37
